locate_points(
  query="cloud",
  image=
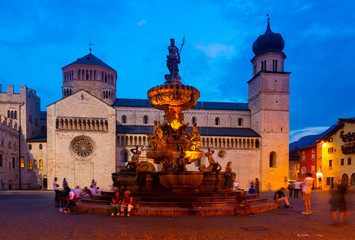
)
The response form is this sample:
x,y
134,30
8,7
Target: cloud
x,y
297,134
142,22
215,50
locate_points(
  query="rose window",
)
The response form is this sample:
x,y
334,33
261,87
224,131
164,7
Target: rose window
x,y
83,148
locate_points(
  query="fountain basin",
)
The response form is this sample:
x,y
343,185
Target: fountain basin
x,y
180,180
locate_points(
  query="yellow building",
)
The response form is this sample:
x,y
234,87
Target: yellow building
x,y
338,153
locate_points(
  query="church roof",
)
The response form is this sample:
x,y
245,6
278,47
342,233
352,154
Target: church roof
x,y
204,131
90,59
124,102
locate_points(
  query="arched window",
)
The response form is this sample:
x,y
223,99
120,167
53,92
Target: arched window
x,y
145,119
40,146
240,122
30,164
124,119
345,176
40,164
352,179
30,146
273,158
217,121
12,114
15,114
8,114
194,120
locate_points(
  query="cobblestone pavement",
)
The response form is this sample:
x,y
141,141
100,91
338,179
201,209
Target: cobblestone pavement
x,y
31,215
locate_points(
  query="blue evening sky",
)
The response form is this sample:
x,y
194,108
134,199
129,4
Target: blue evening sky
x,y
39,37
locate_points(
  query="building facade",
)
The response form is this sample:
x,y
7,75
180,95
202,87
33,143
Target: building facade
x,y
90,132
338,153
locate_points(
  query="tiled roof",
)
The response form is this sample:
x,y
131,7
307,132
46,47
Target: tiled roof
x,y
90,59
204,131
124,102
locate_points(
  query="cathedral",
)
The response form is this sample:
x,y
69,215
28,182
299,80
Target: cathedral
x,y
88,133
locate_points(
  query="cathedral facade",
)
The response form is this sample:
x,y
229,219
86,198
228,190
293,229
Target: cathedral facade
x,y
90,132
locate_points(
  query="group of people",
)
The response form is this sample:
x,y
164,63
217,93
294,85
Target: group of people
x,y
306,186
67,198
295,189
119,205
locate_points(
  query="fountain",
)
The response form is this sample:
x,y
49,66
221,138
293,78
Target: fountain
x,y
173,191
170,145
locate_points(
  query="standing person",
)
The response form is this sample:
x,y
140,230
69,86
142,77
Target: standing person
x,y
257,186
297,188
290,187
93,183
306,191
338,201
57,192
65,183
127,202
229,177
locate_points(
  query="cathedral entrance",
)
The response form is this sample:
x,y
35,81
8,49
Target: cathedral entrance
x,y
84,173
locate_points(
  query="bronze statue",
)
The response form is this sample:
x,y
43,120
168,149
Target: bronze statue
x,y
156,140
179,163
173,59
134,165
194,139
214,166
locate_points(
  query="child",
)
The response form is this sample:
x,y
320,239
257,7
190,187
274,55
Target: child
x,y
127,202
241,202
116,204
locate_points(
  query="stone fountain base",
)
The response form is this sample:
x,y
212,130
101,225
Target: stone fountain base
x,y
170,181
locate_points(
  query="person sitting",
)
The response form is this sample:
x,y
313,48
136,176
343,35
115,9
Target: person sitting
x,y
87,193
241,202
98,191
252,189
92,190
127,203
63,195
280,197
78,192
116,205
70,201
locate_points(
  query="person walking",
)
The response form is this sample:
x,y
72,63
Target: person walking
x,y
306,190
338,201
297,188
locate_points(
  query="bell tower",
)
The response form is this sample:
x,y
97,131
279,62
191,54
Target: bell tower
x,y
269,106
91,74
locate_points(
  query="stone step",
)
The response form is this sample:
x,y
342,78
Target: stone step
x,y
176,211
179,194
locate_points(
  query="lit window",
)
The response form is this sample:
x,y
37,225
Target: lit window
x,y
30,164
40,164
22,162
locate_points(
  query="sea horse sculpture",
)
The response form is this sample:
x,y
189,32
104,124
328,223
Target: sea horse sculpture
x,y
214,166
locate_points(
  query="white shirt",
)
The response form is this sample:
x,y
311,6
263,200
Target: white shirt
x,y
297,185
78,192
55,184
93,191
307,185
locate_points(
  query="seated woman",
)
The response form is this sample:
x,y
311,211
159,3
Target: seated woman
x,y
127,203
241,202
280,197
116,205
